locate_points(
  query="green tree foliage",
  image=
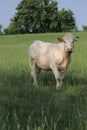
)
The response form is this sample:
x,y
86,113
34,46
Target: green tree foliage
x,y
67,20
40,16
1,28
84,28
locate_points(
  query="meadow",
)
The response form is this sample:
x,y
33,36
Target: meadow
x,y
24,107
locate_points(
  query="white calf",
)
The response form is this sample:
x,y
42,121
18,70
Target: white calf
x,y
48,56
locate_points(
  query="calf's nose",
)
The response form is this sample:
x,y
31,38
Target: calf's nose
x,y
69,49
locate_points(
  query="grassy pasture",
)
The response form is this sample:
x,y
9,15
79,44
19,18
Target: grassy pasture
x,y
23,107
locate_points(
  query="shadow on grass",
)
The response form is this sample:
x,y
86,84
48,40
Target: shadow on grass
x,y
45,79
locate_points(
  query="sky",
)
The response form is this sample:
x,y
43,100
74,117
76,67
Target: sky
x,y
79,8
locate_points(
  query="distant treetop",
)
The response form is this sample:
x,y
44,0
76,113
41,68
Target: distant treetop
x,y
36,16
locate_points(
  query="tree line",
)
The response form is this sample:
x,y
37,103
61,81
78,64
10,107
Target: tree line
x,y
39,16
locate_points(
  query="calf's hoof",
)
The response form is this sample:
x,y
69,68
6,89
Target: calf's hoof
x,y
58,88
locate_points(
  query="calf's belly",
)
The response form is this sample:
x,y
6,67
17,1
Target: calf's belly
x,y
43,63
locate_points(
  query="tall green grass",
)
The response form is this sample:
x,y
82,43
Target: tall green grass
x,y
24,107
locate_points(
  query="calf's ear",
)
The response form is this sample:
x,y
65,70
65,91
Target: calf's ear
x,y
60,39
76,38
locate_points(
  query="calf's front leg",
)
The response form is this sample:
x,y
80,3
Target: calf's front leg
x,y
57,77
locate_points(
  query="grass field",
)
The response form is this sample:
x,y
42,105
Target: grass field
x,y
23,107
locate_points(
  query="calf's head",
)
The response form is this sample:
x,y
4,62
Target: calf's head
x,y
68,41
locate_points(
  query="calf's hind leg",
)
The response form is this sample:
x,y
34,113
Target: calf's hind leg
x,y
33,69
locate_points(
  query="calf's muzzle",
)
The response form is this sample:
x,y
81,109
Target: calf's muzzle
x,y
69,50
